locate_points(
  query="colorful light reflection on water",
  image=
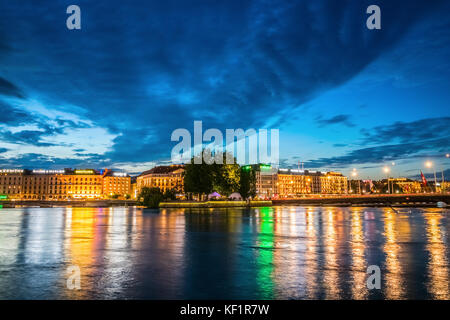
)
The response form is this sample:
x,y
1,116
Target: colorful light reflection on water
x,y
260,253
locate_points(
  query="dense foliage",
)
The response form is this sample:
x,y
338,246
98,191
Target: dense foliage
x,y
152,197
203,178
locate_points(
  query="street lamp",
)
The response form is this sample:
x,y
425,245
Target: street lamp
x,y
386,170
429,164
354,174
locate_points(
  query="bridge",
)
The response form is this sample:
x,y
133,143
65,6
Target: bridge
x,y
425,200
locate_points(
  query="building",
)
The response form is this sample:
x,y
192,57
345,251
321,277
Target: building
x,y
406,185
117,184
291,183
64,184
162,177
445,186
41,185
265,177
333,183
11,181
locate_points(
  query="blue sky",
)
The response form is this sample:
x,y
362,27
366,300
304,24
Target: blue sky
x,y
110,94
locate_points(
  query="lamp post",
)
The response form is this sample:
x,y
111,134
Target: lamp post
x,y
429,164
355,174
386,170
442,182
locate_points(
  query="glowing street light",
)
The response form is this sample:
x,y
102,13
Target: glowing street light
x,y
354,174
386,170
447,155
429,164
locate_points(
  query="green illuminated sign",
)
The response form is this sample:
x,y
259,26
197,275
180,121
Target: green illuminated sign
x,y
3,197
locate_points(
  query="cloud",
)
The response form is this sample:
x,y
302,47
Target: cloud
x,y
9,89
339,145
338,119
13,116
403,132
232,64
379,154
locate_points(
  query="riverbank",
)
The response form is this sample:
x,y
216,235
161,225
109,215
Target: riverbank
x,y
412,200
215,204
71,203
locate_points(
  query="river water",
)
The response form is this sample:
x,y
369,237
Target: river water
x,y
261,253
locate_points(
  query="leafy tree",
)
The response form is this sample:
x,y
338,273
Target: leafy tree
x,y
170,194
198,178
205,178
226,177
150,197
247,185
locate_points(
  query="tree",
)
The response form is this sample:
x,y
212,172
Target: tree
x,y
198,178
170,194
247,185
226,177
203,178
150,197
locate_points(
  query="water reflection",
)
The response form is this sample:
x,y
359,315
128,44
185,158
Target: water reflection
x,y
261,253
264,256
359,266
394,282
437,247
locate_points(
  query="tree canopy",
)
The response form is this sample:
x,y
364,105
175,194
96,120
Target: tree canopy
x,y
203,178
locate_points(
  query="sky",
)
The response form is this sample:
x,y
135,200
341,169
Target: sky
x,y
110,95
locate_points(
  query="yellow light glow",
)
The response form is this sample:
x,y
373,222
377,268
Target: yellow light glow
x,y
428,164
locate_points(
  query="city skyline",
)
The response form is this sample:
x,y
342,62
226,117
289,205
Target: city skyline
x,y
109,95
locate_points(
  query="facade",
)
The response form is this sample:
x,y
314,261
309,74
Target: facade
x,y
333,183
291,183
265,178
64,184
163,177
407,185
117,184
445,186
11,182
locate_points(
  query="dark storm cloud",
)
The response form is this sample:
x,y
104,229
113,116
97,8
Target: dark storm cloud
x,y
403,132
34,160
3,150
400,140
13,116
32,137
9,89
338,119
146,68
430,176
382,153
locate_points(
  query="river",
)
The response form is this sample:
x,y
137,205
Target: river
x,y
287,252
